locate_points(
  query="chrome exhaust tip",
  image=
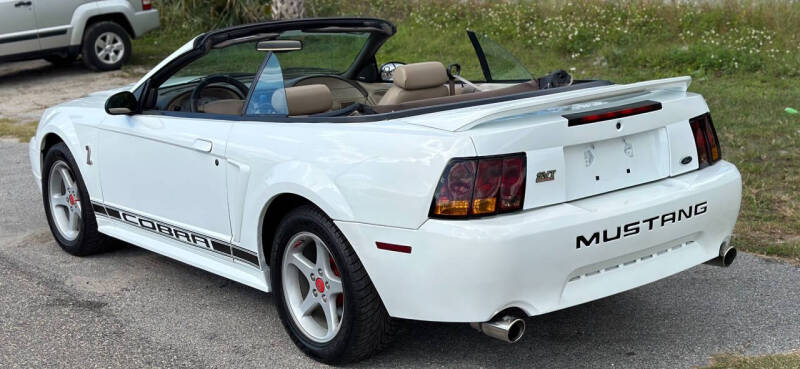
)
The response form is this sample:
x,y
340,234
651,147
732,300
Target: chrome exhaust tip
x,y
727,255
507,329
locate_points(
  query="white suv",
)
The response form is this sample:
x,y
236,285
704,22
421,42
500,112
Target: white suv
x,y
60,30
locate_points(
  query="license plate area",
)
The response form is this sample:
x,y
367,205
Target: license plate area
x,y
602,166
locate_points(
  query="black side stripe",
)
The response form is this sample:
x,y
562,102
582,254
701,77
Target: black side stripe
x,y
221,247
33,36
179,234
245,256
99,209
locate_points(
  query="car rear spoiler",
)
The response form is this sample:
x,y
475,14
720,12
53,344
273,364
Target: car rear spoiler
x,y
468,118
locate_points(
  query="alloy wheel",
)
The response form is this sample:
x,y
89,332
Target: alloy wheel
x,y
65,203
312,287
109,48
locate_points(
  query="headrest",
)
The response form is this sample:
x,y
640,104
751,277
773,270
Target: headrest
x,y
308,99
418,76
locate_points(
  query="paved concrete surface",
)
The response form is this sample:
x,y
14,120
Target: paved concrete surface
x,y
134,308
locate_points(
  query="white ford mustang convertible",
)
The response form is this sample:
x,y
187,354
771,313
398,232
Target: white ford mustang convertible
x,y
282,156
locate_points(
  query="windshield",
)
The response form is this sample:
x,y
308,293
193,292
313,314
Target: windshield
x,y
322,53
497,63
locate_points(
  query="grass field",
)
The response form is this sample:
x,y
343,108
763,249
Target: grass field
x,y
21,131
786,361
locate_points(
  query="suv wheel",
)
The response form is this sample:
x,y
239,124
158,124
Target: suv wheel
x,y
106,46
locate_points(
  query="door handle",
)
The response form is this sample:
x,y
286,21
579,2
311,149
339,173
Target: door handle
x,y
23,3
202,145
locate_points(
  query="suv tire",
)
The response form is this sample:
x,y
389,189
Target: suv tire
x,y
106,46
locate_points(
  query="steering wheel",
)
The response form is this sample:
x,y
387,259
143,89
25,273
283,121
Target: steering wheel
x,y
194,99
355,85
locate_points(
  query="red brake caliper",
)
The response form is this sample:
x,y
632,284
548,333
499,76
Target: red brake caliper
x,y
339,299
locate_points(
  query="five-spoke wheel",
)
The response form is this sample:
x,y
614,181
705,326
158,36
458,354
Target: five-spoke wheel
x,y
65,203
312,287
325,298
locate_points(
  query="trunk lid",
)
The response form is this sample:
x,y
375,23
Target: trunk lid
x,y
568,162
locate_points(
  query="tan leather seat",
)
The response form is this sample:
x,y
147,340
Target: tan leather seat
x,y
308,99
224,106
417,81
301,100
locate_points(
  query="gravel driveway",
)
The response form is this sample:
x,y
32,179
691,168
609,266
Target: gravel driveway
x,y
134,308
27,88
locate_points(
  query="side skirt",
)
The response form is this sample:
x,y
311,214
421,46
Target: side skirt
x,y
236,264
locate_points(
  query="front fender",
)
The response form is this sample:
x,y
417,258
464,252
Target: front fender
x,y
77,137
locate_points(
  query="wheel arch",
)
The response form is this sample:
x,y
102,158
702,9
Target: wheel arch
x,y
106,10
56,128
117,18
273,212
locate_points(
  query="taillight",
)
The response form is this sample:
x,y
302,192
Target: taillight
x,y
480,186
705,139
147,4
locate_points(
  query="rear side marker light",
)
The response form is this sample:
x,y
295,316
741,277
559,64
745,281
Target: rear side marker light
x,y
147,4
393,247
705,140
628,110
472,187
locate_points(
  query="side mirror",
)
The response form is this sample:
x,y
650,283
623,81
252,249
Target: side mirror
x,y
387,70
122,103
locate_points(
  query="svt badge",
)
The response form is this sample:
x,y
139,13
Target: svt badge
x,y
546,176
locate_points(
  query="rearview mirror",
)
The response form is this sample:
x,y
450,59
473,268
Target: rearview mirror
x,y
277,46
122,103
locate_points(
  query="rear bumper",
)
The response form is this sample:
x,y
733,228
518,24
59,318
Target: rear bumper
x,y
467,271
145,21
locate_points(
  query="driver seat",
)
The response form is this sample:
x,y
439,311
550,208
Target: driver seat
x,y
417,81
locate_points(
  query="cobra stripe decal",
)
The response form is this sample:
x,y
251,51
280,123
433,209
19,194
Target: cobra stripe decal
x,y
178,234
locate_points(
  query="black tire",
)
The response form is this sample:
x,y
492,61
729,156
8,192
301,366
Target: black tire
x,y
366,326
89,241
90,36
61,60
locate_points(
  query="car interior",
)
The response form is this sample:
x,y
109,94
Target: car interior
x,y
307,69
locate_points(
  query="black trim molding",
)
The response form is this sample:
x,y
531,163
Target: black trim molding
x,y
33,36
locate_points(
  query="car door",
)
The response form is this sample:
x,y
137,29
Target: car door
x,y
167,169
54,18
18,30
168,163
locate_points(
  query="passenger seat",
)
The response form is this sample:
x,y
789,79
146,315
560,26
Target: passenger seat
x,y
417,81
308,99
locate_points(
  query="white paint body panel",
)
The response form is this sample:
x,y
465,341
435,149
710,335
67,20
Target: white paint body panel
x,y
376,180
